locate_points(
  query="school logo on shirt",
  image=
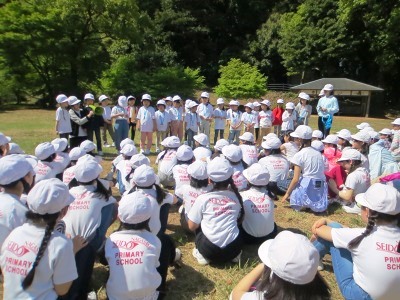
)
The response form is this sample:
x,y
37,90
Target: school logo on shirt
x,y
126,245
16,249
393,261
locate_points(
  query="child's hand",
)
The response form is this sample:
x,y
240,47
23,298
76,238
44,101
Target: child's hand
x,y
79,242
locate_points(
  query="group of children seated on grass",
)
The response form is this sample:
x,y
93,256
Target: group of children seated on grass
x,y
55,210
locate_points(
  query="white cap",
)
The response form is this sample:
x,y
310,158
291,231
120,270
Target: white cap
x,y
87,146
88,96
266,102
72,100
350,154
280,101
396,122
221,144
102,98
233,153
363,125
198,170
134,208
269,135
344,134
138,160
176,98
367,129
44,150
328,87
144,176
15,149
171,142
247,136
49,196
184,153
76,153
61,98
381,198
130,97
291,256
290,105
220,101
317,134
205,95
386,131
122,101
126,142
331,139
129,150
271,143
4,139
60,144
219,169
169,98
249,105
13,167
373,135
146,97
361,136
202,139
32,160
303,132
88,171
234,102
85,158
304,96
256,174
321,93
317,145
192,104
161,102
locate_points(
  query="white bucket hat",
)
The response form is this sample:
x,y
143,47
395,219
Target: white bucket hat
x,y
386,131
221,144
257,175
198,170
290,105
15,149
87,146
271,143
249,105
125,142
102,98
205,95
161,102
129,150
381,198
269,135
331,139
60,144
176,98
328,87
303,132
134,208
88,171
361,136
247,136
234,102
171,142
193,104
61,98
350,154
138,160
219,169
13,167
44,150
144,176
233,153
220,101
291,257
266,102
184,153
89,96
256,104
202,139
396,122
344,134
146,97
76,153
72,100
280,101
362,125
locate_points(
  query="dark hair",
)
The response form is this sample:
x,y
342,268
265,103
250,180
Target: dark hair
x,y
275,151
365,149
198,183
215,154
100,188
50,158
139,226
126,157
305,143
245,166
184,162
247,143
276,288
166,149
355,165
161,193
10,185
373,217
50,221
346,143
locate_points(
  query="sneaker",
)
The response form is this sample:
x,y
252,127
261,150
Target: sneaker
x,y
147,151
237,258
352,209
142,151
113,145
107,145
320,266
100,153
158,150
200,258
180,210
92,296
178,254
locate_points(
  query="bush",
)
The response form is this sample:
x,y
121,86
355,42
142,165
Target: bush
x,y
240,80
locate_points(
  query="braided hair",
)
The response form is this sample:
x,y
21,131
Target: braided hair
x,y
50,221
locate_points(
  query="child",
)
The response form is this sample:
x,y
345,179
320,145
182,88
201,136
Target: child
x,y
289,270
205,112
249,150
61,161
47,268
344,138
120,116
133,107
166,161
360,142
219,119
234,155
317,135
178,117
79,120
46,154
163,120
63,121
290,146
266,118
139,274
258,222
184,156
214,217
234,117
366,256
107,126
277,113
331,151
74,155
255,112
192,123
147,123
218,149
303,109
248,118
4,145
202,150
97,121
289,118
124,167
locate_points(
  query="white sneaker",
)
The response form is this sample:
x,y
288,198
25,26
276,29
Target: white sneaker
x,y
142,151
158,150
100,153
113,145
352,209
320,266
180,210
92,296
178,254
237,258
106,145
200,258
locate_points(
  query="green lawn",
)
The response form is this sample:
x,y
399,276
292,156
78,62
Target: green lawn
x,y
190,281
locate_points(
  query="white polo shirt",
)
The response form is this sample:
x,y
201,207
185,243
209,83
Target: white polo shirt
x,y
146,117
259,212
18,253
217,212
234,117
133,258
250,154
64,120
376,263
218,122
162,119
192,121
277,166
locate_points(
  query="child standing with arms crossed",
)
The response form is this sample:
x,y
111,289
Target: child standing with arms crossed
x,y
192,123
248,118
146,121
234,117
163,120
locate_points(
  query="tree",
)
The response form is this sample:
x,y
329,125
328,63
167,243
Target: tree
x,y
240,80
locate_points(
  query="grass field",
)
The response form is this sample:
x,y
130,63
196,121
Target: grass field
x,y
190,281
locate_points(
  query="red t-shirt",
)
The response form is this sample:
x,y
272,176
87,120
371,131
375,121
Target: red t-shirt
x,y
277,112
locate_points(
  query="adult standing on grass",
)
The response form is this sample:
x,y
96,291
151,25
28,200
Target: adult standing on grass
x,y
63,121
205,112
78,122
327,106
120,116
